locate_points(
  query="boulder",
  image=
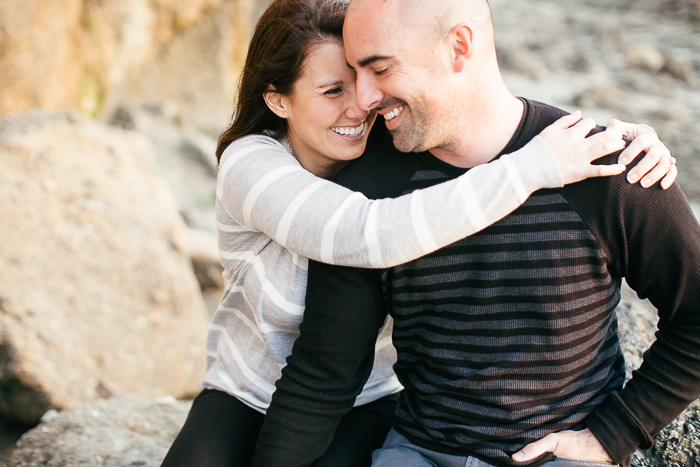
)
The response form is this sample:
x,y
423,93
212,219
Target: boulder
x,y
99,52
97,292
121,431
645,57
203,248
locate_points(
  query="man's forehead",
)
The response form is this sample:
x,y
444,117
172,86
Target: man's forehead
x,y
368,33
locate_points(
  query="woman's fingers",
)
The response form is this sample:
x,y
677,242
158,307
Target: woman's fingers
x,y
657,163
638,145
648,162
603,149
669,178
584,126
608,141
657,173
604,170
575,150
566,121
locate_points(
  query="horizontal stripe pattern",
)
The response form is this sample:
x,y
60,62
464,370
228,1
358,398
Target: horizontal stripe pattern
x,y
272,215
257,320
505,336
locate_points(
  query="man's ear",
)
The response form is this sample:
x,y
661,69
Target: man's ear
x,y
276,102
462,42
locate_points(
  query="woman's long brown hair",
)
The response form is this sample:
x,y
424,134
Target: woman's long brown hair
x,y
280,43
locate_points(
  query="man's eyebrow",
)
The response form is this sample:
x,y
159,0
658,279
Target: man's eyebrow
x,y
370,60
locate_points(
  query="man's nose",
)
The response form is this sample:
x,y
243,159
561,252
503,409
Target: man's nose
x,y
353,112
368,94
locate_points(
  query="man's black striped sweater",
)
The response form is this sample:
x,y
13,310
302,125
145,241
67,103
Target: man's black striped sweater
x,y
507,335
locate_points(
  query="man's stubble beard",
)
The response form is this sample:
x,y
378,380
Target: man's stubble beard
x,y
421,132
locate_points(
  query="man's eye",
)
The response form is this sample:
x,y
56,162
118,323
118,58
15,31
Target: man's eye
x,y
334,91
382,71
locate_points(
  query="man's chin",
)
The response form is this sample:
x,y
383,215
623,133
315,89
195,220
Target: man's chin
x,y
406,143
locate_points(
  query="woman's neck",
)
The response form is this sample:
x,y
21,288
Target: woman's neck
x,y
326,169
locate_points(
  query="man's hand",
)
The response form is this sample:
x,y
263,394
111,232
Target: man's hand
x,y
574,445
658,161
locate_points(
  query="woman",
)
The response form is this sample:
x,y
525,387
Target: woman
x,y
296,124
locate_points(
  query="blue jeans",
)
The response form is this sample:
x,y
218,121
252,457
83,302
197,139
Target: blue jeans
x,y
398,451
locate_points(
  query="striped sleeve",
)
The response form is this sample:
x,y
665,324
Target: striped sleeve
x,y
264,189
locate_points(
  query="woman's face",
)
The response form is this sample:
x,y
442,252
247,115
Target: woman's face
x,y
326,128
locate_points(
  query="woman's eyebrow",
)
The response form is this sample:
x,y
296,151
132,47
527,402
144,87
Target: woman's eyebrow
x,y
337,82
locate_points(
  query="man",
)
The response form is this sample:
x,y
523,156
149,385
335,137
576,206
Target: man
x,y
507,340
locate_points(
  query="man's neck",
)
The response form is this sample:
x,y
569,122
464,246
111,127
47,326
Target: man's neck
x,y
480,139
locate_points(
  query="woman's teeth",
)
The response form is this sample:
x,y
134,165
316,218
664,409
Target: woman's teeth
x,y
350,131
393,114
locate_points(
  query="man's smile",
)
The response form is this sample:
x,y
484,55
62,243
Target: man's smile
x,y
393,113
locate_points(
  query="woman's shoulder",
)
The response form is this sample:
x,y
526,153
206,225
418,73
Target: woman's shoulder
x,y
254,154
257,143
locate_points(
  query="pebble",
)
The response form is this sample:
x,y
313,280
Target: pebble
x,y
645,57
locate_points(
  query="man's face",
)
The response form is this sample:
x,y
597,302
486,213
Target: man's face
x,y
396,75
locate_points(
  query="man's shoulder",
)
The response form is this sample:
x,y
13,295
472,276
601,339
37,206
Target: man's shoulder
x,y
381,172
540,116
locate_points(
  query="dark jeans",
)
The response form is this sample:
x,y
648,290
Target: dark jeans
x,y
221,431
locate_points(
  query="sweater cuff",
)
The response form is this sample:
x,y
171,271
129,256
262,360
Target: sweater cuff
x,y
537,166
617,429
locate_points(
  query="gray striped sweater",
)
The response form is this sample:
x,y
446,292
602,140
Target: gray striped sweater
x,y
272,215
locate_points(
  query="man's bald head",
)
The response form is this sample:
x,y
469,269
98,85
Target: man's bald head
x,y
434,19
428,67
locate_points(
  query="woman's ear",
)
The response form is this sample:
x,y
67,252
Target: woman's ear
x,y
276,102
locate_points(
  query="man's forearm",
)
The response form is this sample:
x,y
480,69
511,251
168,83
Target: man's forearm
x,y
330,363
654,242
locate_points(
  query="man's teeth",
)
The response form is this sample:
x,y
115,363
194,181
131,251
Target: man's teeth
x,y
350,131
393,114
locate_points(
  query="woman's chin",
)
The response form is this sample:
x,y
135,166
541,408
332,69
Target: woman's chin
x,y
350,155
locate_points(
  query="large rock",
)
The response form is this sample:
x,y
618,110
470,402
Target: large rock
x,y
98,52
97,291
203,247
121,431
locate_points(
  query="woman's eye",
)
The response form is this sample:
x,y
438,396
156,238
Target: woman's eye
x,y
334,91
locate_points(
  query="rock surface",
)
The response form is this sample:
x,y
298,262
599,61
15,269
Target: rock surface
x,y
677,445
635,60
99,53
122,431
97,292
130,430
203,248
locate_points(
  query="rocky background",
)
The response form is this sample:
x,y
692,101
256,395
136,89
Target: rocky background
x,y
109,111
